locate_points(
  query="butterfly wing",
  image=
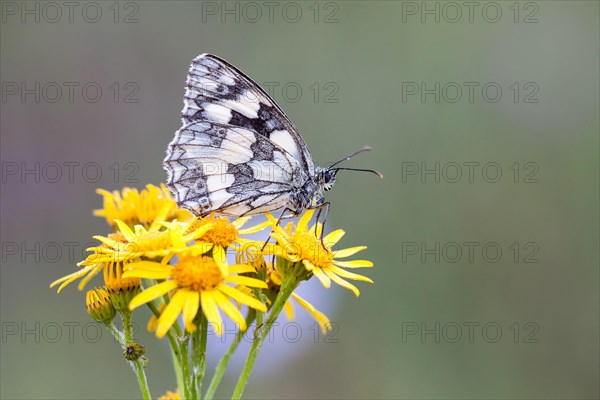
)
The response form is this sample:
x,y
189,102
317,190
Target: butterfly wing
x,y
237,153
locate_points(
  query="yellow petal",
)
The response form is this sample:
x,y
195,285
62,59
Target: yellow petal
x,y
271,218
349,275
304,220
321,318
246,281
353,264
342,282
279,234
325,281
171,312
125,230
288,307
241,268
152,293
105,193
113,244
229,309
89,276
220,259
241,297
74,276
308,265
210,309
238,223
161,216
190,309
147,269
348,252
334,237
255,228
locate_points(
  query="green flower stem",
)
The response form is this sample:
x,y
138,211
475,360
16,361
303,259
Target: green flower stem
x,y
137,365
199,360
177,365
188,385
287,287
222,366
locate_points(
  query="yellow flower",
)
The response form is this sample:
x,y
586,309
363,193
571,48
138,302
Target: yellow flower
x,y
140,207
171,395
149,243
195,282
225,233
303,244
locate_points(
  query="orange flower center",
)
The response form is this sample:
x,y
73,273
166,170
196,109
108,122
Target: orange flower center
x,y
223,234
306,246
197,273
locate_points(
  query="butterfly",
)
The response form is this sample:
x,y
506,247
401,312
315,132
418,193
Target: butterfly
x,y
237,152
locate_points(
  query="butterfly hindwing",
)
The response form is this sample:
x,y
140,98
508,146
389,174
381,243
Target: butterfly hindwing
x,y
218,167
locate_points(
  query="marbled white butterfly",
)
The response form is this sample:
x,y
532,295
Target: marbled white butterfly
x,y
237,153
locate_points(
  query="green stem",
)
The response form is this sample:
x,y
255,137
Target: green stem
x,y
287,287
222,366
199,360
138,367
177,366
188,384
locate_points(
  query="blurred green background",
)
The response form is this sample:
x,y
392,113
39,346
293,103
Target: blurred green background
x,y
523,323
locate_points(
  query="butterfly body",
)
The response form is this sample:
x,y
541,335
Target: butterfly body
x,y
237,152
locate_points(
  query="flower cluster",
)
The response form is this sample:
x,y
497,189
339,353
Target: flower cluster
x,y
161,256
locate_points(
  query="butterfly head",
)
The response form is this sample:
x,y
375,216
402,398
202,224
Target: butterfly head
x,y
326,178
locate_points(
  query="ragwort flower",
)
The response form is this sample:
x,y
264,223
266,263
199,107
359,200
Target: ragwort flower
x,y
303,244
196,282
140,207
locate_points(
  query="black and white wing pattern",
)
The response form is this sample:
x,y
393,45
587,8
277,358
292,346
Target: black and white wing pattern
x,y
237,153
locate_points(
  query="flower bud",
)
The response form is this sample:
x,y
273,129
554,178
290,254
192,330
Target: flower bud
x,y
99,305
133,351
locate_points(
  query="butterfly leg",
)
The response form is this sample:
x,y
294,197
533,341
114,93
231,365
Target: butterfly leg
x,y
281,216
323,209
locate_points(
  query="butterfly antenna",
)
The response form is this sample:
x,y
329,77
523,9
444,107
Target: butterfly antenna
x,y
366,148
379,174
